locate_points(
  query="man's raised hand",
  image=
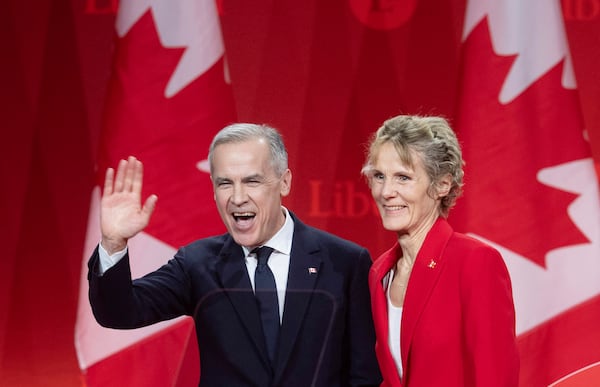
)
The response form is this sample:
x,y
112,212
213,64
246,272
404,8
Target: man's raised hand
x,y
122,215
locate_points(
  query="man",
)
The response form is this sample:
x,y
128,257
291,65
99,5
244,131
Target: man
x,y
321,331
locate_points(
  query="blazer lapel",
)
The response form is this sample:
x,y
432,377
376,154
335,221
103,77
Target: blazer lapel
x,y
233,274
378,283
305,265
425,273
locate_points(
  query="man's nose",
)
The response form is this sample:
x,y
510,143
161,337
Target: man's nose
x,y
239,195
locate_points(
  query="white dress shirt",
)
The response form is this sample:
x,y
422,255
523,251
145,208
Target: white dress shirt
x,y
279,261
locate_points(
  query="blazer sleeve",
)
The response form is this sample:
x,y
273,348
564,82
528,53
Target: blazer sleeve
x,y
364,370
119,302
489,320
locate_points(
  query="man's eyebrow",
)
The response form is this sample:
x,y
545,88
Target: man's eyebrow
x,y
220,180
253,177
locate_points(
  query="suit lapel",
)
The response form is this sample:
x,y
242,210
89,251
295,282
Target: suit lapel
x,y
233,274
425,273
305,266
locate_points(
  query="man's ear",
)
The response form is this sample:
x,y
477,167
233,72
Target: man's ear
x,y
286,183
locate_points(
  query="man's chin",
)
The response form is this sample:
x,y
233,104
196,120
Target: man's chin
x,y
244,239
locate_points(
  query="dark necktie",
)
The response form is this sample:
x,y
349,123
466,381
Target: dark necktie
x,y
266,296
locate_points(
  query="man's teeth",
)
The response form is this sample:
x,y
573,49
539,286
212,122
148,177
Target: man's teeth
x,y
243,215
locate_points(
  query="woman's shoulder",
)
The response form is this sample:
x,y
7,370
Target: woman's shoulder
x,y
469,241
470,247
475,256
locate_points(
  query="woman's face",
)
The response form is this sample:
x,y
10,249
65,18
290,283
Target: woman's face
x,y
401,192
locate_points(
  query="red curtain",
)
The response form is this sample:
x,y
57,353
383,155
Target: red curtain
x,y
326,73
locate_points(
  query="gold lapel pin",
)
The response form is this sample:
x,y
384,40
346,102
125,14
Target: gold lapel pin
x,y
432,264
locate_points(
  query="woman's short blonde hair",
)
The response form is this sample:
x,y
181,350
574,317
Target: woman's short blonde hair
x,y
432,139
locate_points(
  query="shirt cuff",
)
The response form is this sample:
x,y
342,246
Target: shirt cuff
x,y
107,261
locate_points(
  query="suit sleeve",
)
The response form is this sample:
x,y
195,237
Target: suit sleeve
x,y
364,370
119,302
489,321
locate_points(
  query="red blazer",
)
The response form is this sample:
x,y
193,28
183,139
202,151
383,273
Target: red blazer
x,y
458,321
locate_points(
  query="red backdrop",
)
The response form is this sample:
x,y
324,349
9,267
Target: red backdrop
x,y
315,69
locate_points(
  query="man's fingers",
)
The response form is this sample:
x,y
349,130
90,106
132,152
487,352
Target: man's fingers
x,y
149,205
138,177
108,181
130,173
120,176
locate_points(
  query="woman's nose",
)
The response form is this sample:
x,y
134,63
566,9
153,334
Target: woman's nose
x,y
388,189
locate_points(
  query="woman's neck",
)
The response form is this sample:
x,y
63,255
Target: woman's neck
x,y
411,243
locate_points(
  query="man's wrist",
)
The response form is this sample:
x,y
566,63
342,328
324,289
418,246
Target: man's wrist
x,y
113,246
108,260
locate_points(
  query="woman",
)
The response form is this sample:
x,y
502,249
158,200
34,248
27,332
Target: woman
x,y
442,301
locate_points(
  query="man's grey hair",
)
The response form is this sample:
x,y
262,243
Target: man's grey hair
x,y
240,132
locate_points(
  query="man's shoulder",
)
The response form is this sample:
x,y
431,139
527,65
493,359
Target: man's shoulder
x,y
324,237
209,244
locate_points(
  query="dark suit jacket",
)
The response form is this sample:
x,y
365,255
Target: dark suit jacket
x,y
326,339
458,318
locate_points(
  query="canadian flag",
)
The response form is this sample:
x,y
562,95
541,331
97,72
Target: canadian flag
x,y
531,189
167,97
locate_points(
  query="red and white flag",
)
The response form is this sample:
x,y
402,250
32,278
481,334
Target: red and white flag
x,y
167,97
530,188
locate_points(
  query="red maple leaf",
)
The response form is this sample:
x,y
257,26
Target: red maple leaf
x,y
170,135
505,146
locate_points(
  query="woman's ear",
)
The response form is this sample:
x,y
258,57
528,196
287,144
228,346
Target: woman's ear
x,y
444,185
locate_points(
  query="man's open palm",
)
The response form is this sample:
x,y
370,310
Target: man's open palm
x,y
122,215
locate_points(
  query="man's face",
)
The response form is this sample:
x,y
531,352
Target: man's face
x,y
248,192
